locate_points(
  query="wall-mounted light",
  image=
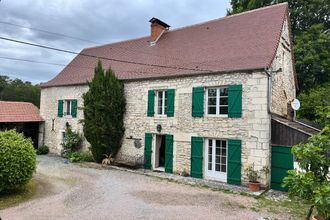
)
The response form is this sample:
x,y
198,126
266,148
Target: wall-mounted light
x,y
159,127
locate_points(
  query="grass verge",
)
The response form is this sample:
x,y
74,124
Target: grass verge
x,y
295,208
12,198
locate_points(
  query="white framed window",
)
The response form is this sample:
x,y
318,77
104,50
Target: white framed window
x,y
217,101
215,163
161,97
67,107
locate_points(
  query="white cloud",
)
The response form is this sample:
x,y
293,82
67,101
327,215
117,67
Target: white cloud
x,y
102,21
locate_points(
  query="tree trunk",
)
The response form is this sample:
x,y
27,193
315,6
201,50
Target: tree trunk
x,y
310,212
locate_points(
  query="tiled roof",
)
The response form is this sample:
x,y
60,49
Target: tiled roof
x,y
19,112
246,41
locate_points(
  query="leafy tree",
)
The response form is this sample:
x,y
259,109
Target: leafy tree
x,y
303,14
239,6
312,183
315,105
17,90
310,27
312,55
104,108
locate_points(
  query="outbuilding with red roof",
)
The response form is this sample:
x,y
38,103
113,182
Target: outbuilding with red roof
x,y
22,116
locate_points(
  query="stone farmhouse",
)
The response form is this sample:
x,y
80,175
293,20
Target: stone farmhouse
x,y
201,99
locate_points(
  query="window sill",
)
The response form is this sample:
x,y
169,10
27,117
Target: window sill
x,y
217,116
160,116
67,117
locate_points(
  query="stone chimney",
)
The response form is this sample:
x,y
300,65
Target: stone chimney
x,y
158,27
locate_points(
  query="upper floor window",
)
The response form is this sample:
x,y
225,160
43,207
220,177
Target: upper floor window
x,y
161,102
67,107
217,101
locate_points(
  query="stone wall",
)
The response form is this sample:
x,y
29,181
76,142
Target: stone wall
x,y
48,110
283,83
253,128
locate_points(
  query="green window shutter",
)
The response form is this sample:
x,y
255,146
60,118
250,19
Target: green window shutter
x,y
169,153
151,103
60,108
198,102
74,108
196,166
234,162
147,150
235,101
170,102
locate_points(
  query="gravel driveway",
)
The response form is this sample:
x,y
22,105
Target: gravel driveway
x,y
85,193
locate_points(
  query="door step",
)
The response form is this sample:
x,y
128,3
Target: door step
x,y
159,169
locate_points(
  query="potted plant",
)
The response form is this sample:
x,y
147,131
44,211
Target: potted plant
x,y
312,183
253,176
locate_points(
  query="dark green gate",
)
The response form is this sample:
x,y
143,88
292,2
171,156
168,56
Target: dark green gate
x,y
282,161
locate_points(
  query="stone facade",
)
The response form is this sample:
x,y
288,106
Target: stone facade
x,y
54,126
253,128
283,83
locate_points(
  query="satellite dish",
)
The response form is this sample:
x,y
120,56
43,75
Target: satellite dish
x,y
295,104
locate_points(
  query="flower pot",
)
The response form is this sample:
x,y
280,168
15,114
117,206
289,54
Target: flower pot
x,y
316,217
254,187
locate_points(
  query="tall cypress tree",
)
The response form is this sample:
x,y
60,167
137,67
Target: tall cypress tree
x,y
104,108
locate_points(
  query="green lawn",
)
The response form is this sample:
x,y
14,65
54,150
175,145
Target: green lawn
x,y
15,197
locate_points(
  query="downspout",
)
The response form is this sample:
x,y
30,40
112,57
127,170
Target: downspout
x,y
269,108
270,86
269,92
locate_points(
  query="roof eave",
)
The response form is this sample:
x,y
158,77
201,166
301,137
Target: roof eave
x,y
246,70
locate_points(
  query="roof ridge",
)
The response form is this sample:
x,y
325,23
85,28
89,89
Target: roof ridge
x,y
192,25
16,102
230,16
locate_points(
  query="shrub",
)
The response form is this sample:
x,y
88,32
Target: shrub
x,y
42,150
17,160
72,141
80,156
312,184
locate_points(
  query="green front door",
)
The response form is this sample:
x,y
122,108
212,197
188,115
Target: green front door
x,y
282,161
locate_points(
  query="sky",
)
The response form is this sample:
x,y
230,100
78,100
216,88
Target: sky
x,y
97,22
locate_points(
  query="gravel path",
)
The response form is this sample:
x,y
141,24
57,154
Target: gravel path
x,y
85,193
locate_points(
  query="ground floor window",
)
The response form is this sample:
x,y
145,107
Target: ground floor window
x,y
215,162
